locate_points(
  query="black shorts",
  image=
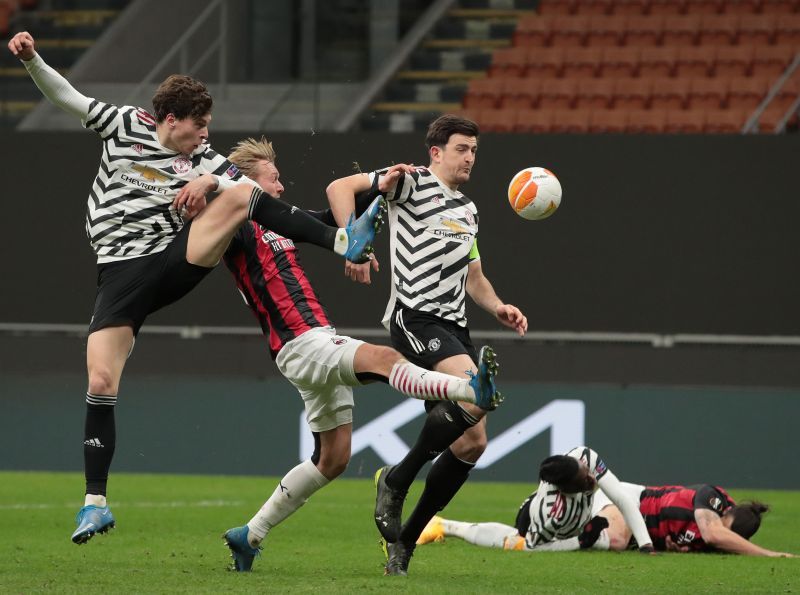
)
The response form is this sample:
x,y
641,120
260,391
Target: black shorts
x,y
129,290
523,521
425,339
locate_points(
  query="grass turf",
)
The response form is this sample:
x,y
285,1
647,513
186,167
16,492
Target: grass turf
x,y
168,540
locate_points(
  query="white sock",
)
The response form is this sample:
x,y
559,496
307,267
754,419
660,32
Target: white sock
x,y
419,383
341,242
483,534
95,499
292,492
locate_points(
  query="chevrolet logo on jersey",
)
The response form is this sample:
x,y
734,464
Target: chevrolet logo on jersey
x,y
150,174
454,226
457,231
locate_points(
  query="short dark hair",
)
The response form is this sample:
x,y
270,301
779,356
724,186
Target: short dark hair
x,y
558,470
182,96
443,127
747,517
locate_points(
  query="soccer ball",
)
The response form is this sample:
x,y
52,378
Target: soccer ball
x,y
534,193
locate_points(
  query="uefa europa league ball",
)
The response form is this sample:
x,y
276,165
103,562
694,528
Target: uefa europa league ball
x,y
534,193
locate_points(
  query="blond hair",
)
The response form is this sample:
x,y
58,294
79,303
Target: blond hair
x,y
247,153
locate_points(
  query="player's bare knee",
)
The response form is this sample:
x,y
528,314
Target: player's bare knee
x,y
102,382
333,467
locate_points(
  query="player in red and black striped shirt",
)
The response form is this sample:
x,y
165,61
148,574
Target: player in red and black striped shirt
x,y
322,365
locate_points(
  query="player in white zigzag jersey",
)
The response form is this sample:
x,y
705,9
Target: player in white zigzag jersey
x,y
435,264
155,236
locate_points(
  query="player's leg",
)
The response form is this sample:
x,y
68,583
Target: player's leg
x,y
214,227
106,352
496,535
378,362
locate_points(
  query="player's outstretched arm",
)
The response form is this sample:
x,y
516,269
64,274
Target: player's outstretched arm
x,y
482,293
52,85
612,487
720,537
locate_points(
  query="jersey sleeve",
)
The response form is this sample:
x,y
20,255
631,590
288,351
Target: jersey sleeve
x,y
106,119
56,88
227,173
628,506
707,497
596,465
473,252
405,185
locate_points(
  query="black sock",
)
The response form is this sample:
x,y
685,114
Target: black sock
x,y
100,439
446,477
444,425
289,221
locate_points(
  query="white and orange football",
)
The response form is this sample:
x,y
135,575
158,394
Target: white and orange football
x,y
534,193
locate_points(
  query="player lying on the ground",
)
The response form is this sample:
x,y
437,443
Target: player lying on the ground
x,y
322,365
686,519
155,173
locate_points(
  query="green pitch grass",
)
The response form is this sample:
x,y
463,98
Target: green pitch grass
x,y
168,532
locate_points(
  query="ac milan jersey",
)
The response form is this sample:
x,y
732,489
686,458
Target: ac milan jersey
x,y
669,511
273,283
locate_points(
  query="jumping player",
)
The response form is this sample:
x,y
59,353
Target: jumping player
x,y
155,172
435,265
321,364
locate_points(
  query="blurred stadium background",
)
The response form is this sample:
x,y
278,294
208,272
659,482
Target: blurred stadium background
x,y
662,296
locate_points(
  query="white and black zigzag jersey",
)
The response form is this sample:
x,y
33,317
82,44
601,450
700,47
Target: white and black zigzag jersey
x,y
555,515
432,240
129,211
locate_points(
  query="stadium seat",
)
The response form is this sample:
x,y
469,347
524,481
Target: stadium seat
x,y
497,120
708,93
594,7
619,62
733,60
704,6
669,94
533,31
680,30
581,62
787,94
483,93
780,7
787,30
644,30
597,94
632,94
508,62
771,60
520,93
694,62
558,94
558,6
718,29
545,62
725,121
646,121
569,31
570,121
667,7
771,119
685,121
747,93
741,6
534,120
657,62
608,120
630,7
757,29
606,31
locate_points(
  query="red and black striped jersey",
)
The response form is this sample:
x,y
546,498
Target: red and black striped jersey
x,y
669,510
272,282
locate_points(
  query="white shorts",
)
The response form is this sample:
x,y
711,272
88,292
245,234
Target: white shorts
x,y
600,500
319,363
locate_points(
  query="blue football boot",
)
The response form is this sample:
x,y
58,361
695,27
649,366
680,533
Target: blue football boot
x,y
92,519
487,397
242,552
361,232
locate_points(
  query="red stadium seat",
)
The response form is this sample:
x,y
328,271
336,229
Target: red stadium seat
x,y
685,121
646,121
520,93
569,31
681,30
608,121
718,29
667,7
779,7
704,6
732,61
708,93
545,62
581,62
787,30
644,30
558,94
483,93
606,31
741,6
771,60
597,94
657,62
757,29
558,6
595,7
497,120
570,121
694,62
669,94
536,121
632,94
469,114
508,62
619,62
747,93
533,31
630,7
725,121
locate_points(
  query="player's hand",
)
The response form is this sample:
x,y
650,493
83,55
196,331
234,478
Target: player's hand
x,y
674,547
591,531
360,273
192,197
512,317
388,181
22,46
